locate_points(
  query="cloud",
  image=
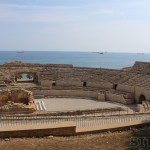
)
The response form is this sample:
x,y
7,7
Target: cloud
x,y
51,14
117,25
41,14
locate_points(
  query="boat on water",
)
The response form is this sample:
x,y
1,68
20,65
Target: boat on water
x,y
99,52
20,52
139,53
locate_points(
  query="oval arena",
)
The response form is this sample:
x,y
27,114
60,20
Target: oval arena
x,y
86,98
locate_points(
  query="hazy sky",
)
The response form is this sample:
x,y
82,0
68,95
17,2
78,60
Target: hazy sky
x,y
75,25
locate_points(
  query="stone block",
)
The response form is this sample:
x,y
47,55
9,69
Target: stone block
x,y
101,97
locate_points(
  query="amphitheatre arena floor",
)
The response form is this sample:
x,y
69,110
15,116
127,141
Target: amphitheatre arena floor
x,y
73,104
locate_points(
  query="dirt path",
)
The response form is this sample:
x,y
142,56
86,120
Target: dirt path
x,y
101,141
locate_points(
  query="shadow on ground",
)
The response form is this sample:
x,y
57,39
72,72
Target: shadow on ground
x,y
140,138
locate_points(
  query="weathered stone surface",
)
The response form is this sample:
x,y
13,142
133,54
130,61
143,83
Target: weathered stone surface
x,y
144,107
15,101
101,97
123,86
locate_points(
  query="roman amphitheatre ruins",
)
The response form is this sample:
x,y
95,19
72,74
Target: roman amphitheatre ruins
x,y
60,99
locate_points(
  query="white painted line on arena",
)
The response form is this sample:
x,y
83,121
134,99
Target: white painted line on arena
x,y
43,105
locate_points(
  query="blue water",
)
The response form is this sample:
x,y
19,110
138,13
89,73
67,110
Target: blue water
x,y
80,59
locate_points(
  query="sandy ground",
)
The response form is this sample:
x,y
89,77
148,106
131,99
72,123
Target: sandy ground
x,y
100,141
72,104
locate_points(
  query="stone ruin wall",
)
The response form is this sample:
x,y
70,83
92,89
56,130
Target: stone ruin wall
x,y
9,70
76,77
141,68
125,84
18,101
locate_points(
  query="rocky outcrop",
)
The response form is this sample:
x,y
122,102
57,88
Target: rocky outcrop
x,y
17,101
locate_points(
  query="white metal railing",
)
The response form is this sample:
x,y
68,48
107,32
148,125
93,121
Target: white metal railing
x,y
86,121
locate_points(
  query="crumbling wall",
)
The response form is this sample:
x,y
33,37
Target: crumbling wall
x,y
101,85
141,91
14,101
67,93
69,82
126,88
120,98
66,77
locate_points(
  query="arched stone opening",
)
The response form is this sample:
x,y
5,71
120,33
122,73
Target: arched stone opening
x,y
115,86
53,83
26,77
84,84
141,99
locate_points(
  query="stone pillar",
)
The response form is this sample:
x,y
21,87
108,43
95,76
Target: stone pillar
x,y
101,97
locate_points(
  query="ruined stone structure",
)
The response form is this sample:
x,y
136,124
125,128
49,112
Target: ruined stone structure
x,y
16,101
126,86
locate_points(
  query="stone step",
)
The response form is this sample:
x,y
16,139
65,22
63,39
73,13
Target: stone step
x,y
38,96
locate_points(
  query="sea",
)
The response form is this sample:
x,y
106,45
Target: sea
x,y
78,59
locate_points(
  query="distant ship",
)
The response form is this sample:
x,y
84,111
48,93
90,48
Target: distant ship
x,y
139,53
99,52
20,52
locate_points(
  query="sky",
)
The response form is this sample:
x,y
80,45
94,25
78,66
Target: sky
x,y
75,25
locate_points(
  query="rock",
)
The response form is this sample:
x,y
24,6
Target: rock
x,y
50,136
16,100
135,130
